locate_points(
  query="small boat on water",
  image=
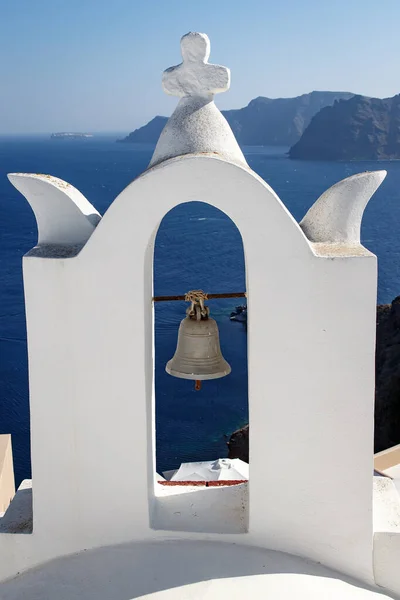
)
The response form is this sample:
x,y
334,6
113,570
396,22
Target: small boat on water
x,y
239,314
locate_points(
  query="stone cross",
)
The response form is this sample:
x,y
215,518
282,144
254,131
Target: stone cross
x,y
195,76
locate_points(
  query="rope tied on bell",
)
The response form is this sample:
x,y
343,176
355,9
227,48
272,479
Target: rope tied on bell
x,y
197,309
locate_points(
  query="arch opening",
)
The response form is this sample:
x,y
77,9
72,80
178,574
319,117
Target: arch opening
x,y
197,246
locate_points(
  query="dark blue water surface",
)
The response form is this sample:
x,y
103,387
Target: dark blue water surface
x,y
190,425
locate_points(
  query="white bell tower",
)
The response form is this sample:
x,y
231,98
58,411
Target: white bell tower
x,y
311,340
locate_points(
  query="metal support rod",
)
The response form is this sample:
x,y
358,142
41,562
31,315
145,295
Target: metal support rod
x,y
209,297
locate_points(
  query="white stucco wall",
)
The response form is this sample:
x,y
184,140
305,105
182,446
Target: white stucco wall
x,y
202,509
386,533
311,334
387,560
386,506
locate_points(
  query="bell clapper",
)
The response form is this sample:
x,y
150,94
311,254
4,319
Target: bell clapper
x,y
197,385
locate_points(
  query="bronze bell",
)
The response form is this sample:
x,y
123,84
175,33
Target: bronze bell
x,y
198,354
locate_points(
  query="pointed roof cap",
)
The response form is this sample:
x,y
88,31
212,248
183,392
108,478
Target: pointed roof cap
x,y
196,126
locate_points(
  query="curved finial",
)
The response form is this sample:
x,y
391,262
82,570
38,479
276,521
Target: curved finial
x,y
196,126
63,214
335,218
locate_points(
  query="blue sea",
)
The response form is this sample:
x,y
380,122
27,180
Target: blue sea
x,y
190,425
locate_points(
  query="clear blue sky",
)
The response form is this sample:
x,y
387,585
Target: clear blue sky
x,y
95,65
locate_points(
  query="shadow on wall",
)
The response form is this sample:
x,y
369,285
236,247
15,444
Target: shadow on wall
x,y
18,518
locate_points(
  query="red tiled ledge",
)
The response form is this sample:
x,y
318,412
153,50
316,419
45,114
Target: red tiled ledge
x,y
204,483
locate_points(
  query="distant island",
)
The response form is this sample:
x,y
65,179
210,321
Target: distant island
x,y
263,122
360,128
70,136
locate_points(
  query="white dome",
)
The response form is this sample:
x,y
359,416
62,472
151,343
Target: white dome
x,y
183,570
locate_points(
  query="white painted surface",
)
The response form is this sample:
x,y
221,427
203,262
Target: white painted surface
x,y
221,469
196,126
204,510
179,570
89,321
63,215
387,531
335,218
387,560
386,505
394,473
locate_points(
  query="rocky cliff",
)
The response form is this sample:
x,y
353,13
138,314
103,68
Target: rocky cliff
x,y
387,397
360,128
387,390
278,122
238,444
263,122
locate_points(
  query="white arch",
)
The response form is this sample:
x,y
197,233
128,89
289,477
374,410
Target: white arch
x,y
310,365
120,252
233,189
